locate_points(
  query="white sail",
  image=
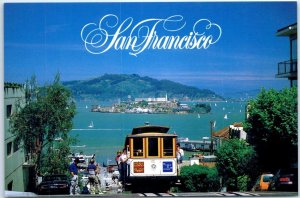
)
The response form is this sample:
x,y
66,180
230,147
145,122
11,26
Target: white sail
x,y
91,125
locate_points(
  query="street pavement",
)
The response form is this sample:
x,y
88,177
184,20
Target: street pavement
x,y
183,194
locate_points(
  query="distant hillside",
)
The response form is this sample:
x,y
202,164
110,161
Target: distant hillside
x,y
241,95
114,86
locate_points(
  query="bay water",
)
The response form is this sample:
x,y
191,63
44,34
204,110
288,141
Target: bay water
x,y
110,129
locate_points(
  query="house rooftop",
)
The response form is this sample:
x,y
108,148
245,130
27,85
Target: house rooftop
x,y
288,30
224,133
12,85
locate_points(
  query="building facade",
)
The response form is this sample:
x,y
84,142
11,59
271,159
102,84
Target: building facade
x,y
288,68
163,99
16,169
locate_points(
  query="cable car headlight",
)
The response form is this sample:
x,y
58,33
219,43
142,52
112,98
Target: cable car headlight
x,y
153,166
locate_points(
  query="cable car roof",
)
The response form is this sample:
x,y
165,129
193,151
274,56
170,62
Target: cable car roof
x,y
151,134
150,129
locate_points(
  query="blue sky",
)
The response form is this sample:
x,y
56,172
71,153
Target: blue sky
x,y
44,38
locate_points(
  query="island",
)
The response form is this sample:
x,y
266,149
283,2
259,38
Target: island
x,y
153,106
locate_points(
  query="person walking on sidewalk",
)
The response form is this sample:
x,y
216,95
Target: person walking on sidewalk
x,y
93,179
74,188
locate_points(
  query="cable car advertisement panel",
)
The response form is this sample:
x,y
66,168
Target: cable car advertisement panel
x,y
153,167
168,166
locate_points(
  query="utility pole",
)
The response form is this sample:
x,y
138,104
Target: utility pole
x,y
212,126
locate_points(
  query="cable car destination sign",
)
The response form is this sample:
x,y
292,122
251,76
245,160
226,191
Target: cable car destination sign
x,y
171,33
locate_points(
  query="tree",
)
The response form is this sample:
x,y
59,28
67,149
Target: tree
x,y
201,108
235,158
54,158
272,128
47,115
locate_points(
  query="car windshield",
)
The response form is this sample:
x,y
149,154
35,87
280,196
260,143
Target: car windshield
x,y
55,178
267,178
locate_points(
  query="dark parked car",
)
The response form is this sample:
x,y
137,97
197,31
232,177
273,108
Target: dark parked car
x,y
285,180
54,184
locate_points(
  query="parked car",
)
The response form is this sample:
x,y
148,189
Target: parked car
x,y
285,180
263,182
54,184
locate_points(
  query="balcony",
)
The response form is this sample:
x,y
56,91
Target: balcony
x,y
29,160
287,69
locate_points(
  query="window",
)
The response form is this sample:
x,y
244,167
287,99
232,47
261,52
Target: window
x,y
8,111
267,178
153,147
9,186
168,147
294,83
9,148
16,145
137,147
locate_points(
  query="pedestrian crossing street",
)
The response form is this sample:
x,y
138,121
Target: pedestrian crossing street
x,y
196,194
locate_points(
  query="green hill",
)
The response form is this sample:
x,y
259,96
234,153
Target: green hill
x,y
115,86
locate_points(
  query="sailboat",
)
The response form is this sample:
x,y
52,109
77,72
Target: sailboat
x,y
198,115
91,125
225,117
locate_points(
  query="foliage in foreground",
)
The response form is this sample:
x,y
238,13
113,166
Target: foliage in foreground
x,y
235,162
199,178
54,157
272,128
46,116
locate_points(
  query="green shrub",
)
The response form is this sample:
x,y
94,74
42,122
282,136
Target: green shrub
x,y
199,178
243,182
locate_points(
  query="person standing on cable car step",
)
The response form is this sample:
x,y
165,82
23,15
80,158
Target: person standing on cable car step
x,y
118,162
123,162
179,155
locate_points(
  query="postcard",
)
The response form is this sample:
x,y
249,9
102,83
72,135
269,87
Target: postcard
x,y
186,69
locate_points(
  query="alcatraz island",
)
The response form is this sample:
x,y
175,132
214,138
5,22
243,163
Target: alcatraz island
x,y
131,93
153,106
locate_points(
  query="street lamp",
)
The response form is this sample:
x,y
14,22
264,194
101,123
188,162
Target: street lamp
x,y
212,126
107,161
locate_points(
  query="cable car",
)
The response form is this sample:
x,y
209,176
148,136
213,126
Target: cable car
x,y
152,156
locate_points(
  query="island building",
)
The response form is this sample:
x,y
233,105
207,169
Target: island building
x,y
17,163
152,100
288,68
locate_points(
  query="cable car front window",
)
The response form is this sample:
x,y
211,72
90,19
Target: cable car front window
x,y
152,146
138,147
168,146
